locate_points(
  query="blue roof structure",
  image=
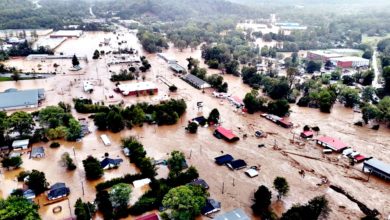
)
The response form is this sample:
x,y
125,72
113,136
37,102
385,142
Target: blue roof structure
x,y
236,214
221,160
237,164
211,207
111,162
12,98
58,190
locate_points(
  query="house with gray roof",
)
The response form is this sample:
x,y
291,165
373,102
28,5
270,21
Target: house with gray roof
x,y
38,152
57,191
377,167
13,99
195,81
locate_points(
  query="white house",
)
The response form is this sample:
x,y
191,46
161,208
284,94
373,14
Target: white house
x,y
20,144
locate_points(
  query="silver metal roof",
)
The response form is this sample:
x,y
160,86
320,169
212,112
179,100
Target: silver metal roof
x,y
380,165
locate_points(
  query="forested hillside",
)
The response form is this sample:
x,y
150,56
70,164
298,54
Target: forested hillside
x,y
168,10
17,14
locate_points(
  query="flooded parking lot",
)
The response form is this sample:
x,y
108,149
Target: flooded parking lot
x,y
232,188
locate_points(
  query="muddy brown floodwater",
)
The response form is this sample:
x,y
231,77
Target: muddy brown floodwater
x,y
201,148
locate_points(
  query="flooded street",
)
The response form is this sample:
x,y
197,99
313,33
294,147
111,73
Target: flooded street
x,y
201,148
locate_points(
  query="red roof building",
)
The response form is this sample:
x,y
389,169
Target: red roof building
x,y
307,134
284,123
359,158
152,216
226,134
332,143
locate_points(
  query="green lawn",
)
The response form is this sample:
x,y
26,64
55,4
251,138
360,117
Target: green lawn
x,y
5,78
373,41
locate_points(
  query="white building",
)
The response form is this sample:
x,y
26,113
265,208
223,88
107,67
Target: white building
x,y
87,86
141,88
67,33
20,144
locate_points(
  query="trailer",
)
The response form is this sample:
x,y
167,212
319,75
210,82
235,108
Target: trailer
x,y
105,140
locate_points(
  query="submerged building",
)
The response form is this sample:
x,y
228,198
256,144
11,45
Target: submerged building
x,y
13,99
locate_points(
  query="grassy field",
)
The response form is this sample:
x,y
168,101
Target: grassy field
x,y
5,79
374,39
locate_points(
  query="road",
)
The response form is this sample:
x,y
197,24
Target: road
x,y
91,12
375,83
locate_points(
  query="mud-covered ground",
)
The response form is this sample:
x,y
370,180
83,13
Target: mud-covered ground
x,y
200,149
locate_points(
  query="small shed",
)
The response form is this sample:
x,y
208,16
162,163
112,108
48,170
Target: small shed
x,y
226,134
105,139
211,207
237,164
141,182
252,172
38,152
20,144
307,134
108,163
199,182
224,159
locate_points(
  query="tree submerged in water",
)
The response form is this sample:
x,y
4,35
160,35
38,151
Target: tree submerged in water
x,y
75,61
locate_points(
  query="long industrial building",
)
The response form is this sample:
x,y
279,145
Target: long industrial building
x,y
13,99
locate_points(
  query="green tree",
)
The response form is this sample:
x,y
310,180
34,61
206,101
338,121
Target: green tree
x,y
3,127
74,130
192,127
18,207
384,109
15,76
185,202
279,107
313,66
75,60
176,162
386,77
120,195
21,122
84,211
37,182
100,121
92,168
261,200
316,208
326,100
370,112
96,55
350,97
115,121
368,93
12,162
213,117
281,185
67,161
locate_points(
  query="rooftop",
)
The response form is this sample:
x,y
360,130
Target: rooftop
x,y
20,98
351,58
380,165
195,81
61,33
333,143
19,143
141,86
236,214
228,134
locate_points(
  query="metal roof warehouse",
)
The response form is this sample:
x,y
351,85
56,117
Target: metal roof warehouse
x,y
13,99
378,168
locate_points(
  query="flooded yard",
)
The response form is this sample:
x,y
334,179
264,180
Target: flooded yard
x,y
232,188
